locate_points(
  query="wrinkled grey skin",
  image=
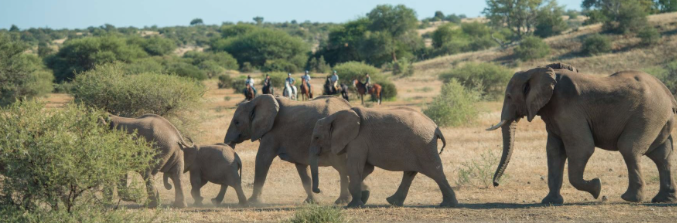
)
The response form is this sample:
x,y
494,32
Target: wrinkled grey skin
x,y
629,111
396,139
218,164
169,143
284,128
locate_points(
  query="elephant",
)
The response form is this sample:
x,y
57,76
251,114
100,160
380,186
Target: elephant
x,y
629,111
400,139
284,127
169,144
217,164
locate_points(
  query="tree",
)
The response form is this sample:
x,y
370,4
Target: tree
x,y
235,30
21,75
393,21
666,5
439,16
453,18
261,45
343,41
158,46
196,22
549,20
258,20
620,16
14,28
44,49
517,15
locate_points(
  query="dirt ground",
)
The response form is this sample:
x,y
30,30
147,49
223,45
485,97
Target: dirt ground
x,y
516,199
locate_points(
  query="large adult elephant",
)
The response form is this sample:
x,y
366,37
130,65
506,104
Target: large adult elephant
x,y
169,144
284,128
629,111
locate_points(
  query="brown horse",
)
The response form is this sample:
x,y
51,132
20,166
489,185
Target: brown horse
x,y
249,93
374,90
306,93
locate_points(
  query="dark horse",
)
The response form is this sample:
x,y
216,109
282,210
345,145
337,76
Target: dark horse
x,y
249,93
267,89
306,93
329,90
374,90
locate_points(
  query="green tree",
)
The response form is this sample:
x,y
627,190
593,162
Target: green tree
x,y
44,49
549,20
395,21
439,16
196,22
532,48
14,28
666,5
261,45
21,75
343,41
258,20
620,16
158,46
517,15
236,30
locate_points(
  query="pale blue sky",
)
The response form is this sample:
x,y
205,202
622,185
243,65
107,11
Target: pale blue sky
x,y
84,13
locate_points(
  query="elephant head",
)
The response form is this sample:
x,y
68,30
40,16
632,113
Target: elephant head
x,y
189,156
526,93
252,120
333,134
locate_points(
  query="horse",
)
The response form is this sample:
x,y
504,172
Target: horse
x,y
328,90
267,89
374,90
289,91
306,93
249,93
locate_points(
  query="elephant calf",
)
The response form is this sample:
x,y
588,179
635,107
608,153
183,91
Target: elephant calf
x,y
217,164
397,140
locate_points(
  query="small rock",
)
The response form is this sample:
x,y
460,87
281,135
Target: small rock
x,y
542,177
524,201
611,170
528,182
604,199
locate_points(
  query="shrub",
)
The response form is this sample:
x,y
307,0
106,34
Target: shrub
x,y
145,65
490,78
185,70
261,45
225,81
666,74
57,161
388,89
222,59
596,44
279,65
479,171
404,67
349,71
158,46
317,214
454,106
649,36
21,75
246,67
238,83
532,48
108,88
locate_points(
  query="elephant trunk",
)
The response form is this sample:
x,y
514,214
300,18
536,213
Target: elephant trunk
x,y
508,130
232,137
314,171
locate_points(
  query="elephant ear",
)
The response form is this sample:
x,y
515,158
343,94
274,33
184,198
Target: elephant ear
x,y
262,115
539,90
345,126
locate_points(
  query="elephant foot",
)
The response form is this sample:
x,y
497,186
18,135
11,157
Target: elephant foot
x,y
596,187
664,197
153,203
395,201
553,200
449,204
343,200
179,204
310,200
216,202
632,196
365,196
197,204
355,204
255,200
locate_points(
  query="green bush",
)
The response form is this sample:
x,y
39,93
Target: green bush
x,y
279,65
480,171
596,44
666,74
145,65
225,81
223,59
318,214
246,67
349,71
108,88
21,75
57,161
158,46
388,89
490,79
261,45
455,106
238,83
649,35
403,67
532,48
185,70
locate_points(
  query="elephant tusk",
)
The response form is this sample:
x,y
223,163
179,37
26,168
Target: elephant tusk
x,y
497,126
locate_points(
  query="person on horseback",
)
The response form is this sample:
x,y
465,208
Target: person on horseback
x,y
334,81
290,80
250,82
367,82
307,78
267,84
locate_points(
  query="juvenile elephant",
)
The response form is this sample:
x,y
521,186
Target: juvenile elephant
x,y
284,128
169,143
629,111
397,140
217,164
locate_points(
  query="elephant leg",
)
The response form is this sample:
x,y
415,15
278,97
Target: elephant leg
x,y
634,193
368,169
196,184
153,194
219,197
662,156
305,180
556,159
264,158
435,171
179,200
579,152
242,199
345,197
356,167
398,198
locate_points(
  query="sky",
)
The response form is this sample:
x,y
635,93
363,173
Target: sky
x,y
71,14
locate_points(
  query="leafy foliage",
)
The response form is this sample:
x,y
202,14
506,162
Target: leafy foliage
x,y
454,106
479,171
489,79
158,46
596,44
649,36
21,75
620,16
196,21
549,20
225,81
261,45
350,71
319,214
666,74
532,48
450,39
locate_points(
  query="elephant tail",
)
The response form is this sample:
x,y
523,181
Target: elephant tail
x,y
165,178
239,164
439,135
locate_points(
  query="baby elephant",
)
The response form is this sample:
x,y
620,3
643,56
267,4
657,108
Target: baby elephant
x,y
217,164
397,139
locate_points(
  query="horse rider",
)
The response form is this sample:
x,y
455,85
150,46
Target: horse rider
x,y
250,82
307,78
334,80
266,82
290,80
367,82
